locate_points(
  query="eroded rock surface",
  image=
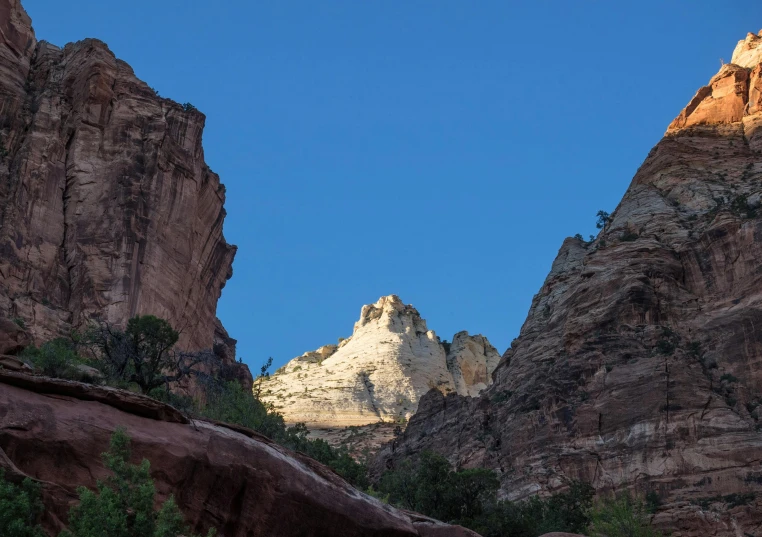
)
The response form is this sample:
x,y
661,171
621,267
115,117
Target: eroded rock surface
x,y
640,362
379,373
234,480
107,208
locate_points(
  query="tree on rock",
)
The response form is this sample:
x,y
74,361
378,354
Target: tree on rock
x,y
143,353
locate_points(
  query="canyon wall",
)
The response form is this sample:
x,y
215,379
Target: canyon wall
x,y
107,208
640,363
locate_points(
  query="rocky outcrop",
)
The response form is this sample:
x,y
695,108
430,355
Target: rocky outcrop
x,y
231,479
471,360
640,363
107,208
379,373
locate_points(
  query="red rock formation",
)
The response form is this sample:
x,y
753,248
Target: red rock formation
x,y
640,362
107,208
234,480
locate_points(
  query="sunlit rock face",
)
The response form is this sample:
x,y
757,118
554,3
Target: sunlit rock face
x,y
640,362
107,208
380,372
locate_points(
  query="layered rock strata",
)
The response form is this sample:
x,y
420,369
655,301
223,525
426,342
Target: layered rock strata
x,y
107,208
380,372
224,477
640,362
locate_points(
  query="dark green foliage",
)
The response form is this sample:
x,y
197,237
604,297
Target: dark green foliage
x,y
231,403
19,322
603,218
188,107
628,236
653,501
622,516
664,346
123,505
468,497
446,344
727,377
142,354
501,396
741,207
568,511
20,508
431,487
55,358
578,236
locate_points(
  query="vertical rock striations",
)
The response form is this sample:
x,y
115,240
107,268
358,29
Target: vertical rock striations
x,y
380,372
640,362
107,208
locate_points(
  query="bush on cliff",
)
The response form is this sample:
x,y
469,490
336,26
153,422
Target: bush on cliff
x,y
57,358
431,487
20,508
621,516
468,497
123,505
143,354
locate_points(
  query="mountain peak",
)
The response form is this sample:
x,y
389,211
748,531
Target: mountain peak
x,y
748,51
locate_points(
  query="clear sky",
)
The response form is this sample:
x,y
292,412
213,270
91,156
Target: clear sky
x,y
440,150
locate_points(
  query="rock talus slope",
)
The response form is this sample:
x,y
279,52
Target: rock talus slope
x,y
640,362
380,372
236,481
107,208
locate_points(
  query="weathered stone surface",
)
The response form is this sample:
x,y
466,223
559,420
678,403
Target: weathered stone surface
x,y
13,338
640,362
748,52
107,208
378,374
234,480
471,360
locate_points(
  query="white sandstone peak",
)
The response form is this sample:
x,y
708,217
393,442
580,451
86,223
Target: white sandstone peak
x,y
748,51
380,372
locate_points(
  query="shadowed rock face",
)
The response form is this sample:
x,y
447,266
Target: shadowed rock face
x,y
107,208
640,362
234,480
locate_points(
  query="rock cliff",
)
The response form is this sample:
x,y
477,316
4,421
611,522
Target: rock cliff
x,y
231,479
380,372
640,362
107,208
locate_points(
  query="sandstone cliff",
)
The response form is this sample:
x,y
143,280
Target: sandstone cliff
x,y
640,362
380,372
107,208
231,479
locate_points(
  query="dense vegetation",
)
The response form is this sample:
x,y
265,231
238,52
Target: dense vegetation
x,y
469,498
20,508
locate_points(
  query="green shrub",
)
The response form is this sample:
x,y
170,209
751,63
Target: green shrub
x,y
231,403
564,512
621,516
56,358
20,508
123,505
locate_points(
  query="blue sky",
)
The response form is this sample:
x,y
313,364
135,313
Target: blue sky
x,y
440,150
